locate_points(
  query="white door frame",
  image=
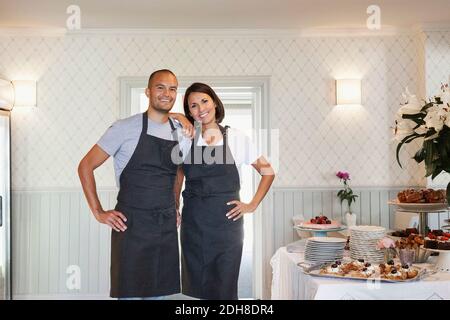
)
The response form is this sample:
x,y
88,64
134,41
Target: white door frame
x,y
263,218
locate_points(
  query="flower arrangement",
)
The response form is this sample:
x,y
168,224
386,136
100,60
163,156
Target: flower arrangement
x,y
347,192
388,246
385,243
429,121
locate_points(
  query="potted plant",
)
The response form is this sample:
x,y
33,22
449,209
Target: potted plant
x,y
347,194
430,122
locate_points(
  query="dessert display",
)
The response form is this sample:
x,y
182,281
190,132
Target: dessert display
x,y
421,196
413,241
364,270
320,222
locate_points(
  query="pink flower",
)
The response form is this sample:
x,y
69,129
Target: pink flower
x,y
343,175
385,243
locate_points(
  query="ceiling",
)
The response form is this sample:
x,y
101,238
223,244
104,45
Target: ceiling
x,y
223,14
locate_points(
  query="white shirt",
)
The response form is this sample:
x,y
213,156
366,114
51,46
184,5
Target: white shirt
x,y
241,146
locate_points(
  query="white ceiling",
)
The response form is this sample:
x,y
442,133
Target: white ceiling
x,y
228,14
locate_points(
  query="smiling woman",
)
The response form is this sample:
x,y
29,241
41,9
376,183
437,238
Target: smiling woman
x,y
212,219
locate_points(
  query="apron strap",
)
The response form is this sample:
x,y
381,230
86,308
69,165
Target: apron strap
x,y
225,142
144,123
174,130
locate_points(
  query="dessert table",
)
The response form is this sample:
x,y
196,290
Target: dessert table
x,y
290,283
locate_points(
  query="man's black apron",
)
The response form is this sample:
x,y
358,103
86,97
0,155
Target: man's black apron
x,y
145,258
211,244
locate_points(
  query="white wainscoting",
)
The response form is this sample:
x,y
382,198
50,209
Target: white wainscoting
x,y
371,208
53,230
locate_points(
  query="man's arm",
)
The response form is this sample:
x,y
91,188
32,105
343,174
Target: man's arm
x,y
91,161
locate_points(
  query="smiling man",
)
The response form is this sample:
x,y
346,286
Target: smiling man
x,y
144,241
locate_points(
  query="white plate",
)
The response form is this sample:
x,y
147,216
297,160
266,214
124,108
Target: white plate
x,y
327,239
367,229
420,207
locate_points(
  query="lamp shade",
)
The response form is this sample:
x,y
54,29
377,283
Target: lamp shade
x,y
6,95
348,91
25,93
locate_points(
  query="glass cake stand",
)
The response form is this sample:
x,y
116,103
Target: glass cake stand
x,y
320,232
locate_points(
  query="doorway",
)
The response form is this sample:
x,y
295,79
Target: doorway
x,y
242,99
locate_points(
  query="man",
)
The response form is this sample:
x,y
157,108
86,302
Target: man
x,y
144,240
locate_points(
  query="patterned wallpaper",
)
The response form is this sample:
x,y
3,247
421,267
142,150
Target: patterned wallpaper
x,y
78,98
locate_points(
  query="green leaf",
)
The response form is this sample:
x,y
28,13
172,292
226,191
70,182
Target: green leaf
x,y
436,172
407,139
430,169
420,155
425,107
448,193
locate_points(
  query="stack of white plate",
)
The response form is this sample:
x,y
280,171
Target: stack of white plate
x,y
324,249
363,243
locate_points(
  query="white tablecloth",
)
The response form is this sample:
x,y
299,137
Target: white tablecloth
x,y
290,283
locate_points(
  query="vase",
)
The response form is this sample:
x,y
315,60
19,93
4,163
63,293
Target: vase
x,y
350,219
388,255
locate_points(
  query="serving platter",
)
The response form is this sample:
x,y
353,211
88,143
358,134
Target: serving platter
x,y
420,207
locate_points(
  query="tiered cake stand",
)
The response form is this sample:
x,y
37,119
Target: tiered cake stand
x,y
423,209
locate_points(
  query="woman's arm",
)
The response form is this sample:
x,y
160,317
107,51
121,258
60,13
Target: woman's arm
x,y
267,176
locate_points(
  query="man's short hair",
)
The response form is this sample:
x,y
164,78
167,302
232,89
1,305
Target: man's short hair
x,y
156,72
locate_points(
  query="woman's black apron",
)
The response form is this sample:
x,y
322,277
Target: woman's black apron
x,y
211,244
145,258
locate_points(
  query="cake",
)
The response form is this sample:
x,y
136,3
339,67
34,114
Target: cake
x,y
421,196
443,245
437,239
430,244
321,222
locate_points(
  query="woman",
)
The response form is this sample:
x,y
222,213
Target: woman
x,y
212,224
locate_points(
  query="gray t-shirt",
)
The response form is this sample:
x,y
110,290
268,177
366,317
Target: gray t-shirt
x,y
121,139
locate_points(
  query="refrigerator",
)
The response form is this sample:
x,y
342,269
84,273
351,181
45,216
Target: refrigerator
x,y
5,206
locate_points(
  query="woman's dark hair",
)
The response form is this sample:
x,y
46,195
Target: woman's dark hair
x,y
203,88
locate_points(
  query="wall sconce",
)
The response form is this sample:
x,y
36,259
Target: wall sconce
x,y
17,93
348,91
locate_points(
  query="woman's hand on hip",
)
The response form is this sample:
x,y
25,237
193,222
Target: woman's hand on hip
x,y
114,219
239,210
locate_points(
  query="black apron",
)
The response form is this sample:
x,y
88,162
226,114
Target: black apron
x,y
145,258
211,244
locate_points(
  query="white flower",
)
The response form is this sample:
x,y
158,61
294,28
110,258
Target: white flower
x,y
421,130
412,104
433,119
403,128
445,95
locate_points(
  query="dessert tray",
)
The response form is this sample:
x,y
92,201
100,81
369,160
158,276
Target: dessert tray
x,y
420,207
357,270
